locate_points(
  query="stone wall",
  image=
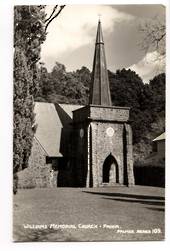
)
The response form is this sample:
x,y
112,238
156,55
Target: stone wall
x,y
102,146
129,155
38,173
112,113
105,134
109,113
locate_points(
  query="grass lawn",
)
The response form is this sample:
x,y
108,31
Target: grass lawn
x,y
109,214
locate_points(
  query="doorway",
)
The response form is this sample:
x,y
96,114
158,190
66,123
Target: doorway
x,y
110,170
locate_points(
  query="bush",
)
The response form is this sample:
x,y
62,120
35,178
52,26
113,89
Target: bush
x,y
15,183
149,175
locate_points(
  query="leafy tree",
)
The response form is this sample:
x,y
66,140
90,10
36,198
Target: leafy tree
x,y
30,25
84,76
157,85
22,122
147,101
29,35
126,90
58,78
46,85
64,87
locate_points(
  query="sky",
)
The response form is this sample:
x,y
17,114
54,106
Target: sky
x,y
71,37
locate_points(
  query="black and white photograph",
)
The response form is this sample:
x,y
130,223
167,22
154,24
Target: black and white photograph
x,y
89,122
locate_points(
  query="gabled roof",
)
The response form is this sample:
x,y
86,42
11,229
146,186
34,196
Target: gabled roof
x,y
160,137
50,119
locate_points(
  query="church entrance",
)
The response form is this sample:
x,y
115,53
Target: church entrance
x,y
110,170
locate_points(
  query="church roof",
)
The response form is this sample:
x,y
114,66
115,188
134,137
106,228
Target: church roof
x,y
50,119
100,90
160,137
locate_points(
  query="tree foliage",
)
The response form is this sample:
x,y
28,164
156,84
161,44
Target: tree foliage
x,y
147,101
30,25
154,39
127,89
64,87
28,36
157,85
154,35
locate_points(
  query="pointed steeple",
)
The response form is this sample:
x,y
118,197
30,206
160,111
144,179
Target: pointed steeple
x,y
100,90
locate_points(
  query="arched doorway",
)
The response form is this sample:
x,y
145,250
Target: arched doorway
x,y
110,170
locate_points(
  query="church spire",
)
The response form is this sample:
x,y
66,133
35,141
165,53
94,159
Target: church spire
x,y
100,91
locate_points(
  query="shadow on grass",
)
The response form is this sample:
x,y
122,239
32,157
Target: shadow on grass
x,y
156,209
33,235
135,196
132,198
154,203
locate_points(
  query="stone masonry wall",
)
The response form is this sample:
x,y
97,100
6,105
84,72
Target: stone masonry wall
x,y
101,113
129,147
107,136
109,113
103,145
38,173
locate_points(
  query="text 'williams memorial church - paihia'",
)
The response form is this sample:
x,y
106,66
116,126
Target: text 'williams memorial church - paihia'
x,y
82,146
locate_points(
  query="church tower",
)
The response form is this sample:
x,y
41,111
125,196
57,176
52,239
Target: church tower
x,y
102,133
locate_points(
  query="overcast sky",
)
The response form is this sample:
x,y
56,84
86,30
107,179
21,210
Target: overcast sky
x,y
71,37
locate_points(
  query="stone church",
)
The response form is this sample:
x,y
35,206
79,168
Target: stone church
x,y
82,146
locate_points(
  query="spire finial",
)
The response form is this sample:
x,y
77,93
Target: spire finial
x,y
99,15
99,37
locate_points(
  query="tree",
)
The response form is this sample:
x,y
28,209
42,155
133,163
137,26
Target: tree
x,y
64,87
126,90
30,25
147,102
154,37
157,85
55,12
45,84
22,120
153,100
84,75
29,35
75,90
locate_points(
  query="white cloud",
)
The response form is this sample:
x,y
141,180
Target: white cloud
x,y
74,27
149,66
